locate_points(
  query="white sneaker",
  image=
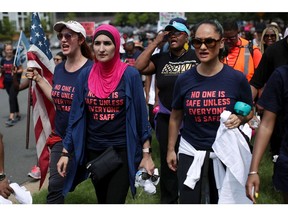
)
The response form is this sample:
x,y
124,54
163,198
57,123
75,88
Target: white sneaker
x,y
21,194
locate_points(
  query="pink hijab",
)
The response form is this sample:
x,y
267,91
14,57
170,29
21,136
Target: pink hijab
x,y
105,77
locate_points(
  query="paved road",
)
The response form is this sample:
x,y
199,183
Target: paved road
x,y
18,159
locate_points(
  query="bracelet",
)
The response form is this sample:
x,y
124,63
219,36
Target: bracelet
x,y
147,150
65,154
252,173
2,176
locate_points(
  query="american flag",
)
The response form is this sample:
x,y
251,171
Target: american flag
x,y
40,57
21,51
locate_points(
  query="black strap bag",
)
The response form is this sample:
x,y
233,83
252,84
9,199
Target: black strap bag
x,y
104,164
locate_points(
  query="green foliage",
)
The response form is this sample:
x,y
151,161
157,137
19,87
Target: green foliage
x,y
8,30
135,19
267,193
70,16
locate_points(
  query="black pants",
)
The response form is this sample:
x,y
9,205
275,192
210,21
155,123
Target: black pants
x,y
113,188
168,178
56,182
13,99
193,196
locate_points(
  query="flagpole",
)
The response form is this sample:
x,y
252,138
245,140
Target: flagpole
x,y
28,114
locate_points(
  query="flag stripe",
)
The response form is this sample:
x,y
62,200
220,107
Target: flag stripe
x,y
40,57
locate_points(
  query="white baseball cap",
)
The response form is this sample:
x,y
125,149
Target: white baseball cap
x,y
73,25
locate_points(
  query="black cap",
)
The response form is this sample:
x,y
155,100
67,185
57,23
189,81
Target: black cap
x,y
179,20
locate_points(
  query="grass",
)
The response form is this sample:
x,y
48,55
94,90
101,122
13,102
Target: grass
x,y
85,194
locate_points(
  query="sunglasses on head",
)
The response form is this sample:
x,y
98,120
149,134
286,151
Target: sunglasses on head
x,y
270,36
146,176
67,36
209,42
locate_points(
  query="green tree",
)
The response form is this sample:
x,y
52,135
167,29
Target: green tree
x,y
135,19
70,16
7,30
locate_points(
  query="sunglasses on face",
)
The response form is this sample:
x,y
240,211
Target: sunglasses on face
x,y
67,36
146,176
209,42
270,36
232,38
175,33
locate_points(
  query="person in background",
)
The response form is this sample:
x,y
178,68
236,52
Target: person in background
x,y
167,66
258,33
239,56
59,57
269,36
201,119
150,88
275,24
5,189
274,56
274,101
131,52
73,45
8,69
108,110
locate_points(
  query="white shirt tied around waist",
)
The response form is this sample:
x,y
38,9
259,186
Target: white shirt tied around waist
x,y
230,146
194,172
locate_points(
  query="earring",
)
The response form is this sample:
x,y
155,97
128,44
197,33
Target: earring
x,y
186,46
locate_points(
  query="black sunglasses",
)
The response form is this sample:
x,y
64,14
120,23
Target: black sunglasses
x,y
209,42
146,176
270,35
232,38
67,36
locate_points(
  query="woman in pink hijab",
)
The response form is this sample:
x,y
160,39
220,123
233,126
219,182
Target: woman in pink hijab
x,y
108,109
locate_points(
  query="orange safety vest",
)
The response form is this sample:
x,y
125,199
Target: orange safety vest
x,y
241,59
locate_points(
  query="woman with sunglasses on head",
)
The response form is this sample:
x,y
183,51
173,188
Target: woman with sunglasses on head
x,y
108,111
167,66
72,37
201,94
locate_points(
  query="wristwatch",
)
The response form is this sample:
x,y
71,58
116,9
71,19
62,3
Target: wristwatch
x,y
2,176
147,150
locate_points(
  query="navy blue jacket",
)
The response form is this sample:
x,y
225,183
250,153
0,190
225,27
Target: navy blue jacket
x,y
138,128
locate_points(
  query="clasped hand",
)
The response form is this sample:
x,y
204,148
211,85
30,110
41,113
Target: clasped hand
x,y
32,74
233,121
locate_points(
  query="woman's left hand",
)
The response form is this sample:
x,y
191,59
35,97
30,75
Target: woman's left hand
x,y
233,121
147,163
